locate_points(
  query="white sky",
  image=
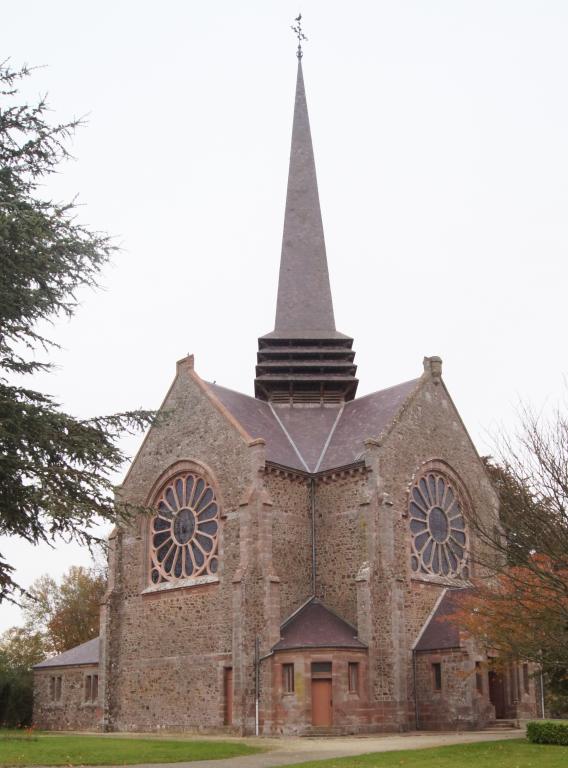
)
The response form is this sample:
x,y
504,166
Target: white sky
x,y
441,138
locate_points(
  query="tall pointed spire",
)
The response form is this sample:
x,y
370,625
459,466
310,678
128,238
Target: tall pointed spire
x,y
305,359
304,303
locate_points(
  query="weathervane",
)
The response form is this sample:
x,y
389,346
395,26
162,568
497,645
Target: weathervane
x,y
297,29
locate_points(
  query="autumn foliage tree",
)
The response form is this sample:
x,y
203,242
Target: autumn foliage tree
x,y
66,613
519,607
57,617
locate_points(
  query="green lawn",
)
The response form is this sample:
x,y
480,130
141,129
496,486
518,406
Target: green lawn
x,y
19,748
489,754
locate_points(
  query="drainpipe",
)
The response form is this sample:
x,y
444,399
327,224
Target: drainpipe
x,y
257,660
416,717
313,507
256,683
542,692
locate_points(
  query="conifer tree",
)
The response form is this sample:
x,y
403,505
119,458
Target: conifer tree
x,y
55,469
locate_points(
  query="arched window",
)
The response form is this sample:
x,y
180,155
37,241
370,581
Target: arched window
x,y
437,526
185,529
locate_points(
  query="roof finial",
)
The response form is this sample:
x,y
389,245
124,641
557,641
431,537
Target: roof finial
x,y
297,29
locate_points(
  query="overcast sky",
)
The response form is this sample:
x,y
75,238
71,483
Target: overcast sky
x,y
440,132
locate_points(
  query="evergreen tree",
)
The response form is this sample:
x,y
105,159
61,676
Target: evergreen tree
x,y
55,469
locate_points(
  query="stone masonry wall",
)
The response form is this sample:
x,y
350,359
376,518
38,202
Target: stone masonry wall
x,y
291,539
167,649
342,541
457,704
71,712
293,711
428,428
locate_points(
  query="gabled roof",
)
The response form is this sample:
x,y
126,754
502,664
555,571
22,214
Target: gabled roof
x,y
258,419
362,418
441,632
315,439
316,626
86,653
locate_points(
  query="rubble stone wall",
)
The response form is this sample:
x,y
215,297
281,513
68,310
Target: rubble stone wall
x,y
71,712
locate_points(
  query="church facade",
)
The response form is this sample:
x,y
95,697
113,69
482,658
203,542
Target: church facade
x,y
305,546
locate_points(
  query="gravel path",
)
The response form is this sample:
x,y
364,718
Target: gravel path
x,y
287,751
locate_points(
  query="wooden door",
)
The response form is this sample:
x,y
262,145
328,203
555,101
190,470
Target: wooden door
x,y
228,694
321,702
497,693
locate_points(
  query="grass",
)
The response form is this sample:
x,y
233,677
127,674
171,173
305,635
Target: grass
x,y
516,753
21,748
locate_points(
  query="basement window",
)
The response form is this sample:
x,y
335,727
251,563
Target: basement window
x,y
287,678
437,676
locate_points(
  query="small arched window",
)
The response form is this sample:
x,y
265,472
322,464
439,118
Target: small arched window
x,y
184,532
437,526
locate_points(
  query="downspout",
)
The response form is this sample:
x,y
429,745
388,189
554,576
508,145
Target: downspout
x,y
256,683
542,692
416,716
313,508
257,660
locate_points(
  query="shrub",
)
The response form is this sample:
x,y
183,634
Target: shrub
x,y
16,698
548,732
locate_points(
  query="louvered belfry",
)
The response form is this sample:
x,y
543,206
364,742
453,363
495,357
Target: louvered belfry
x,y
305,359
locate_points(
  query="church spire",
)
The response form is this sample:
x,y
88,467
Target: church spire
x,y
304,303
305,359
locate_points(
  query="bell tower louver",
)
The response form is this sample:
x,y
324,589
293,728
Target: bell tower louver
x,y
305,359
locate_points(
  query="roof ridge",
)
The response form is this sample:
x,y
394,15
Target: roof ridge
x,y
298,610
328,439
385,389
236,391
289,436
70,653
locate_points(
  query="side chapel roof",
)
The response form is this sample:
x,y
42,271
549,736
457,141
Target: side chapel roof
x,y
314,625
86,653
440,632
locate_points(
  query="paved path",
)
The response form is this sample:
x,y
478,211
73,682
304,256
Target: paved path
x,y
287,751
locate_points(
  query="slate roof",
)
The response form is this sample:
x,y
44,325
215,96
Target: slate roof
x,y
441,633
86,653
316,626
304,303
316,438
365,417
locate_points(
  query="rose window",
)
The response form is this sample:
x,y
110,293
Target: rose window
x,y
437,526
184,531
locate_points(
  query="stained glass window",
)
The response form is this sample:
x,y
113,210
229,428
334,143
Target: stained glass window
x,y
437,527
184,531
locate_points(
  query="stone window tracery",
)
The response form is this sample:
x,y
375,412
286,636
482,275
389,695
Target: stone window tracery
x,y
184,531
437,527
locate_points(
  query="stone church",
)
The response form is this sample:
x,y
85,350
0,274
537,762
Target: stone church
x,y
303,547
